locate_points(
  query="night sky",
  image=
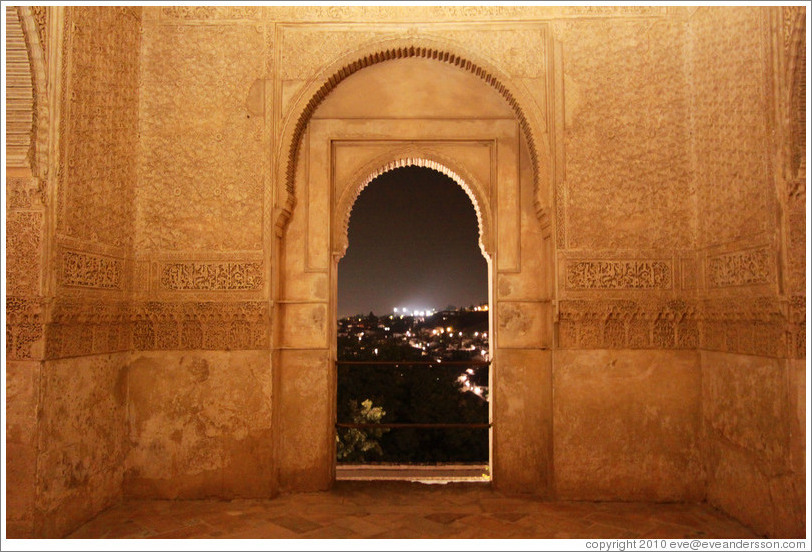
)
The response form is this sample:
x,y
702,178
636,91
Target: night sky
x,y
413,243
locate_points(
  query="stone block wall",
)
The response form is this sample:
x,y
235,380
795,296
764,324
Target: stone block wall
x,y
150,303
752,293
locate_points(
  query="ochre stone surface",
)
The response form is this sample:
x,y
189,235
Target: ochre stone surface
x,y
81,440
176,210
754,441
626,425
199,425
22,400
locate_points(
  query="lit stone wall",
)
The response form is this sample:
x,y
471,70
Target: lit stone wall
x,y
626,373
25,191
81,425
748,187
661,227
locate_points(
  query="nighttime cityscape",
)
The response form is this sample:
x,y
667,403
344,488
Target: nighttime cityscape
x,y
414,367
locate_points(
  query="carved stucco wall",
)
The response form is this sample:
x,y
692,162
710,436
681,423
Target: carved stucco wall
x,y
177,261
753,323
81,430
25,215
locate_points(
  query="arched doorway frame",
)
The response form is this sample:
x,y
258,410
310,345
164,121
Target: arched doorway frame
x,y
415,156
528,319
319,87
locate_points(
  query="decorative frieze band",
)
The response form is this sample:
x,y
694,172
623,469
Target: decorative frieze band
x,y
740,268
211,276
80,328
87,270
761,326
201,325
618,274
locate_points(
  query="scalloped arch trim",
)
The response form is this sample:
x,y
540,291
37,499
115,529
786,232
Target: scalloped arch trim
x,y
441,54
483,222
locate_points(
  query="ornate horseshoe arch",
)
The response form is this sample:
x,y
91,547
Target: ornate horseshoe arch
x,y
317,90
415,157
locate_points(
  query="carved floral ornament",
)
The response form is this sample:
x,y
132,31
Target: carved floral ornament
x,y
379,166
318,88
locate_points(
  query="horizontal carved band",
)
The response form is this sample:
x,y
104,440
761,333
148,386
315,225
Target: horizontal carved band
x,y
740,268
87,270
211,276
82,328
618,274
761,326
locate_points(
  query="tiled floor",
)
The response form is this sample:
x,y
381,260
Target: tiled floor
x,y
407,510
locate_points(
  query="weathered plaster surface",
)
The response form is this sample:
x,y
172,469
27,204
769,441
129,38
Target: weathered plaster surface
x,y
626,425
754,440
199,425
81,440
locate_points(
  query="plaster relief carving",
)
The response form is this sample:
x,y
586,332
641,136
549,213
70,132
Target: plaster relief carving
x,y
100,115
740,268
24,319
24,193
23,242
211,12
730,134
86,270
211,276
623,274
200,325
202,173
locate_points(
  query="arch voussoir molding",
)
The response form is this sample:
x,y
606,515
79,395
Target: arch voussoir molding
x,y
412,157
41,119
316,91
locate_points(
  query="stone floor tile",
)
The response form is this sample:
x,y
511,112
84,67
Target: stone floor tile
x,y
196,531
295,523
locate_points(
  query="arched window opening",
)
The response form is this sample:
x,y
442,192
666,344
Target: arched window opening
x,y
413,334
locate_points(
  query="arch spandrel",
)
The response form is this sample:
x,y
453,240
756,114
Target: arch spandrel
x,y
320,86
475,190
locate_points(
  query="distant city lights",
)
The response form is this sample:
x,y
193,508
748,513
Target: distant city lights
x,y
406,311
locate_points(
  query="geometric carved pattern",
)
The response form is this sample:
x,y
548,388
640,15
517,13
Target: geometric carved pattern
x,y
762,326
86,270
79,328
23,327
211,276
740,268
201,325
625,324
100,114
623,274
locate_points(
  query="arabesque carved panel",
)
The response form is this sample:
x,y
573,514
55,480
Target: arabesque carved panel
x,y
23,243
211,276
627,152
757,326
203,166
24,319
740,268
618,274
100,115
730,135
201,325
80,269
